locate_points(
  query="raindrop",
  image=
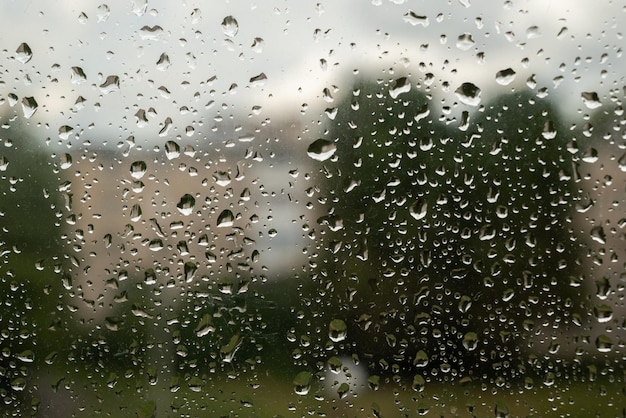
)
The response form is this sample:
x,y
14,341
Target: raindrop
x,y
399,86
302,382
591,99
29,107
190,271
110,85
135,213
470,341
138,169
603,313
225,219
27,356
420,359
186,204
505,77
321,150
415,19
172,150
65,131
419,383
230,27
205,326
258,80
337,330
597,234
23,53
465,42
163,63
151,33
604,344
468,94
78,75
418,209
549,130
227,352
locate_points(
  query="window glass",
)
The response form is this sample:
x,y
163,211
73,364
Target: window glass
x,y
275,208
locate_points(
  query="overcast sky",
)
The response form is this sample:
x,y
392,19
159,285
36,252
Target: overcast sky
x,y
570,46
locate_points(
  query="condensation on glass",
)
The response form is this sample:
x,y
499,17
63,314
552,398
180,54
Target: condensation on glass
x,y
349,208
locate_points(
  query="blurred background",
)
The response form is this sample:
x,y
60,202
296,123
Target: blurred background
x,y
387,208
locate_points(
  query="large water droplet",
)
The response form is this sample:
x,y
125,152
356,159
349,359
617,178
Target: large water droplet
x,y
591,99
29,106
228,351
399,86
302,382
225,219
321,150
186,204
135,212
597,234
65,131
230,27
172,150
418,209
465,42
337,330
23,53
419,383
138,169
468,94
505,77
415,19
604,344
603,313
470,341
110,85
78,75
205,326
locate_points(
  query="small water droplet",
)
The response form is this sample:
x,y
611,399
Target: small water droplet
x,y
321,150
230,27
468,94
78,75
